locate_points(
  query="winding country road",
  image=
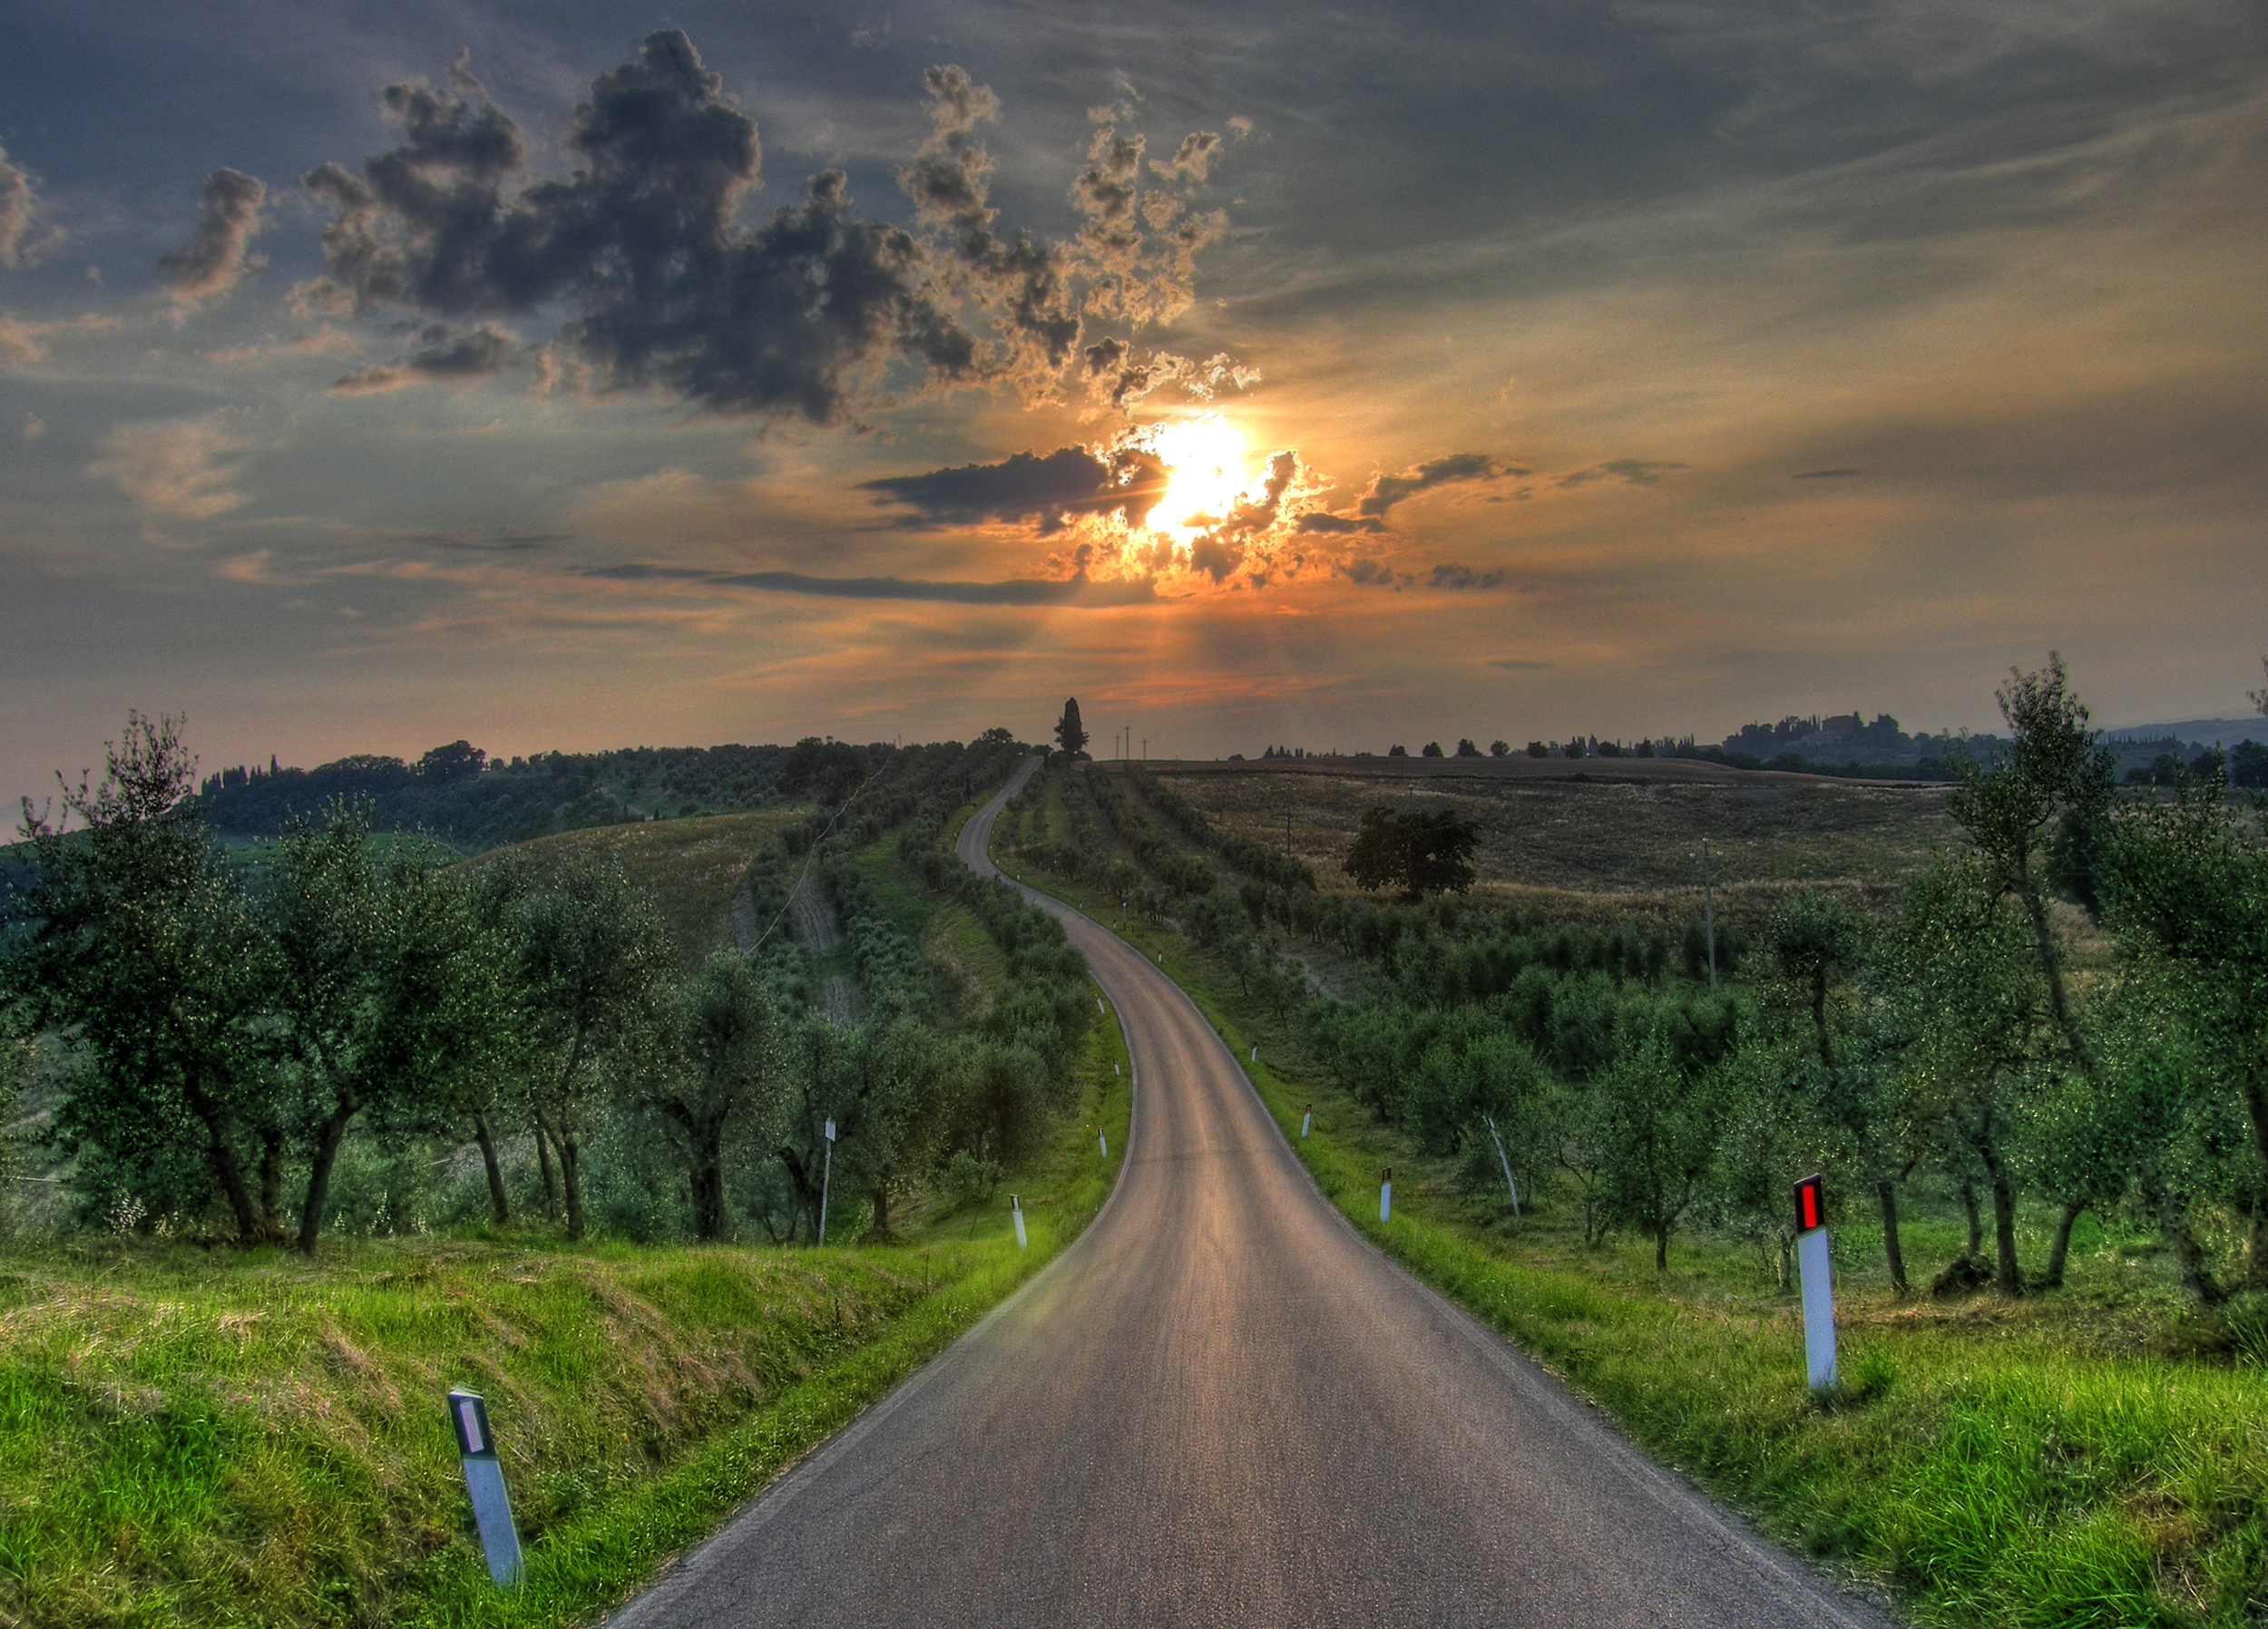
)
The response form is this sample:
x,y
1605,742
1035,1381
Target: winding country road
x,y
1221,1406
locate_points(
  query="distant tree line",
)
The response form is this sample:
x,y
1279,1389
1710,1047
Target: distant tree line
x,y
460,794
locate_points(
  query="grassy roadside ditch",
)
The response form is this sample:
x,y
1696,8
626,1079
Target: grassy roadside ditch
x,y
2047,1462
224,1438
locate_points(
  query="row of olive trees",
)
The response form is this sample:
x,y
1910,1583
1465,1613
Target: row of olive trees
x,y
229,1024
1950,1035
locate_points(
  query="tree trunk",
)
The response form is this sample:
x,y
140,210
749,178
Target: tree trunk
x,y
571,1174
2172,1220
226,1163
2255,1091
2060,1250
2051,968
708,1180
805,1176
498,1205
1886,1192
1976,1221
327,1143
544,1160
880,1194
570,1149
271,1164
1661,1250
2007,1278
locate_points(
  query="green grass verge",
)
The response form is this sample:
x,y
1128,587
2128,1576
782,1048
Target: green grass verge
x,y
225,1438
2068,1460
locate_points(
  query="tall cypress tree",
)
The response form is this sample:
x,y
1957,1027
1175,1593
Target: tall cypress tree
x,y
1070,732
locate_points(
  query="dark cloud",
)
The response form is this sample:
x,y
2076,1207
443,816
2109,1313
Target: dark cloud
x,y
489,540
1824,474
213,260
1455,470
1373,573
797,314
1631,472
15,210
1465,577
638,572
1336,525
444,358
1072,592
1070,481
949,175
640,243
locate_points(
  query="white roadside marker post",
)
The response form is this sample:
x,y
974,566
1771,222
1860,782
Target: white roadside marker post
x,y
1385,1192
1015,1208
1104,1138
1306,1120
827,1179
1255,1054
485,1480
1505,1163
1099,1007
1819,1292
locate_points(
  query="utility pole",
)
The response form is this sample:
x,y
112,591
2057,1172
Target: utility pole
x,y
1709,898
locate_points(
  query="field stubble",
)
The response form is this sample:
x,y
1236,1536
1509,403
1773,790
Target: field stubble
x,y
1627,829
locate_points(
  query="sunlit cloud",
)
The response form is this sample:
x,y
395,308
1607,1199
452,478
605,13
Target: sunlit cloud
x,y
184,468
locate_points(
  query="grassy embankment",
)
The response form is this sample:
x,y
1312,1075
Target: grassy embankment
x,y
2081,1458
246,1437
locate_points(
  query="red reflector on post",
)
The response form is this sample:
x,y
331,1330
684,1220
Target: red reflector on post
x,y
1811,1205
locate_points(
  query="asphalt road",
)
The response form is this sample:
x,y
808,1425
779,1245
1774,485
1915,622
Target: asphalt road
x,y
1221,1406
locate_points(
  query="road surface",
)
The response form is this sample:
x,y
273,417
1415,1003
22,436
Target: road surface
x,y
1222,1407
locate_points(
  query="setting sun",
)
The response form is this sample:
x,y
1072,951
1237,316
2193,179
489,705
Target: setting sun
x,y
1204,463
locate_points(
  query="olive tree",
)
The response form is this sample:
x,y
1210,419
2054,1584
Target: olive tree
x,y
713,1071
145,946
593,962
2188,900
1655,1128
2011,807
384,986
1961,969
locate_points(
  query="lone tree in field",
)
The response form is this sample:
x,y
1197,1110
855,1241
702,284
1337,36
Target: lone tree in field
x,y
1419,851
1070,735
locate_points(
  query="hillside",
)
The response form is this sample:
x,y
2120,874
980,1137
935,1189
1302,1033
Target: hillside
x,y
690,869
1614,826
473,802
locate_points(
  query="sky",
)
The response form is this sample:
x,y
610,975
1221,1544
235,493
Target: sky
x,y
564,377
